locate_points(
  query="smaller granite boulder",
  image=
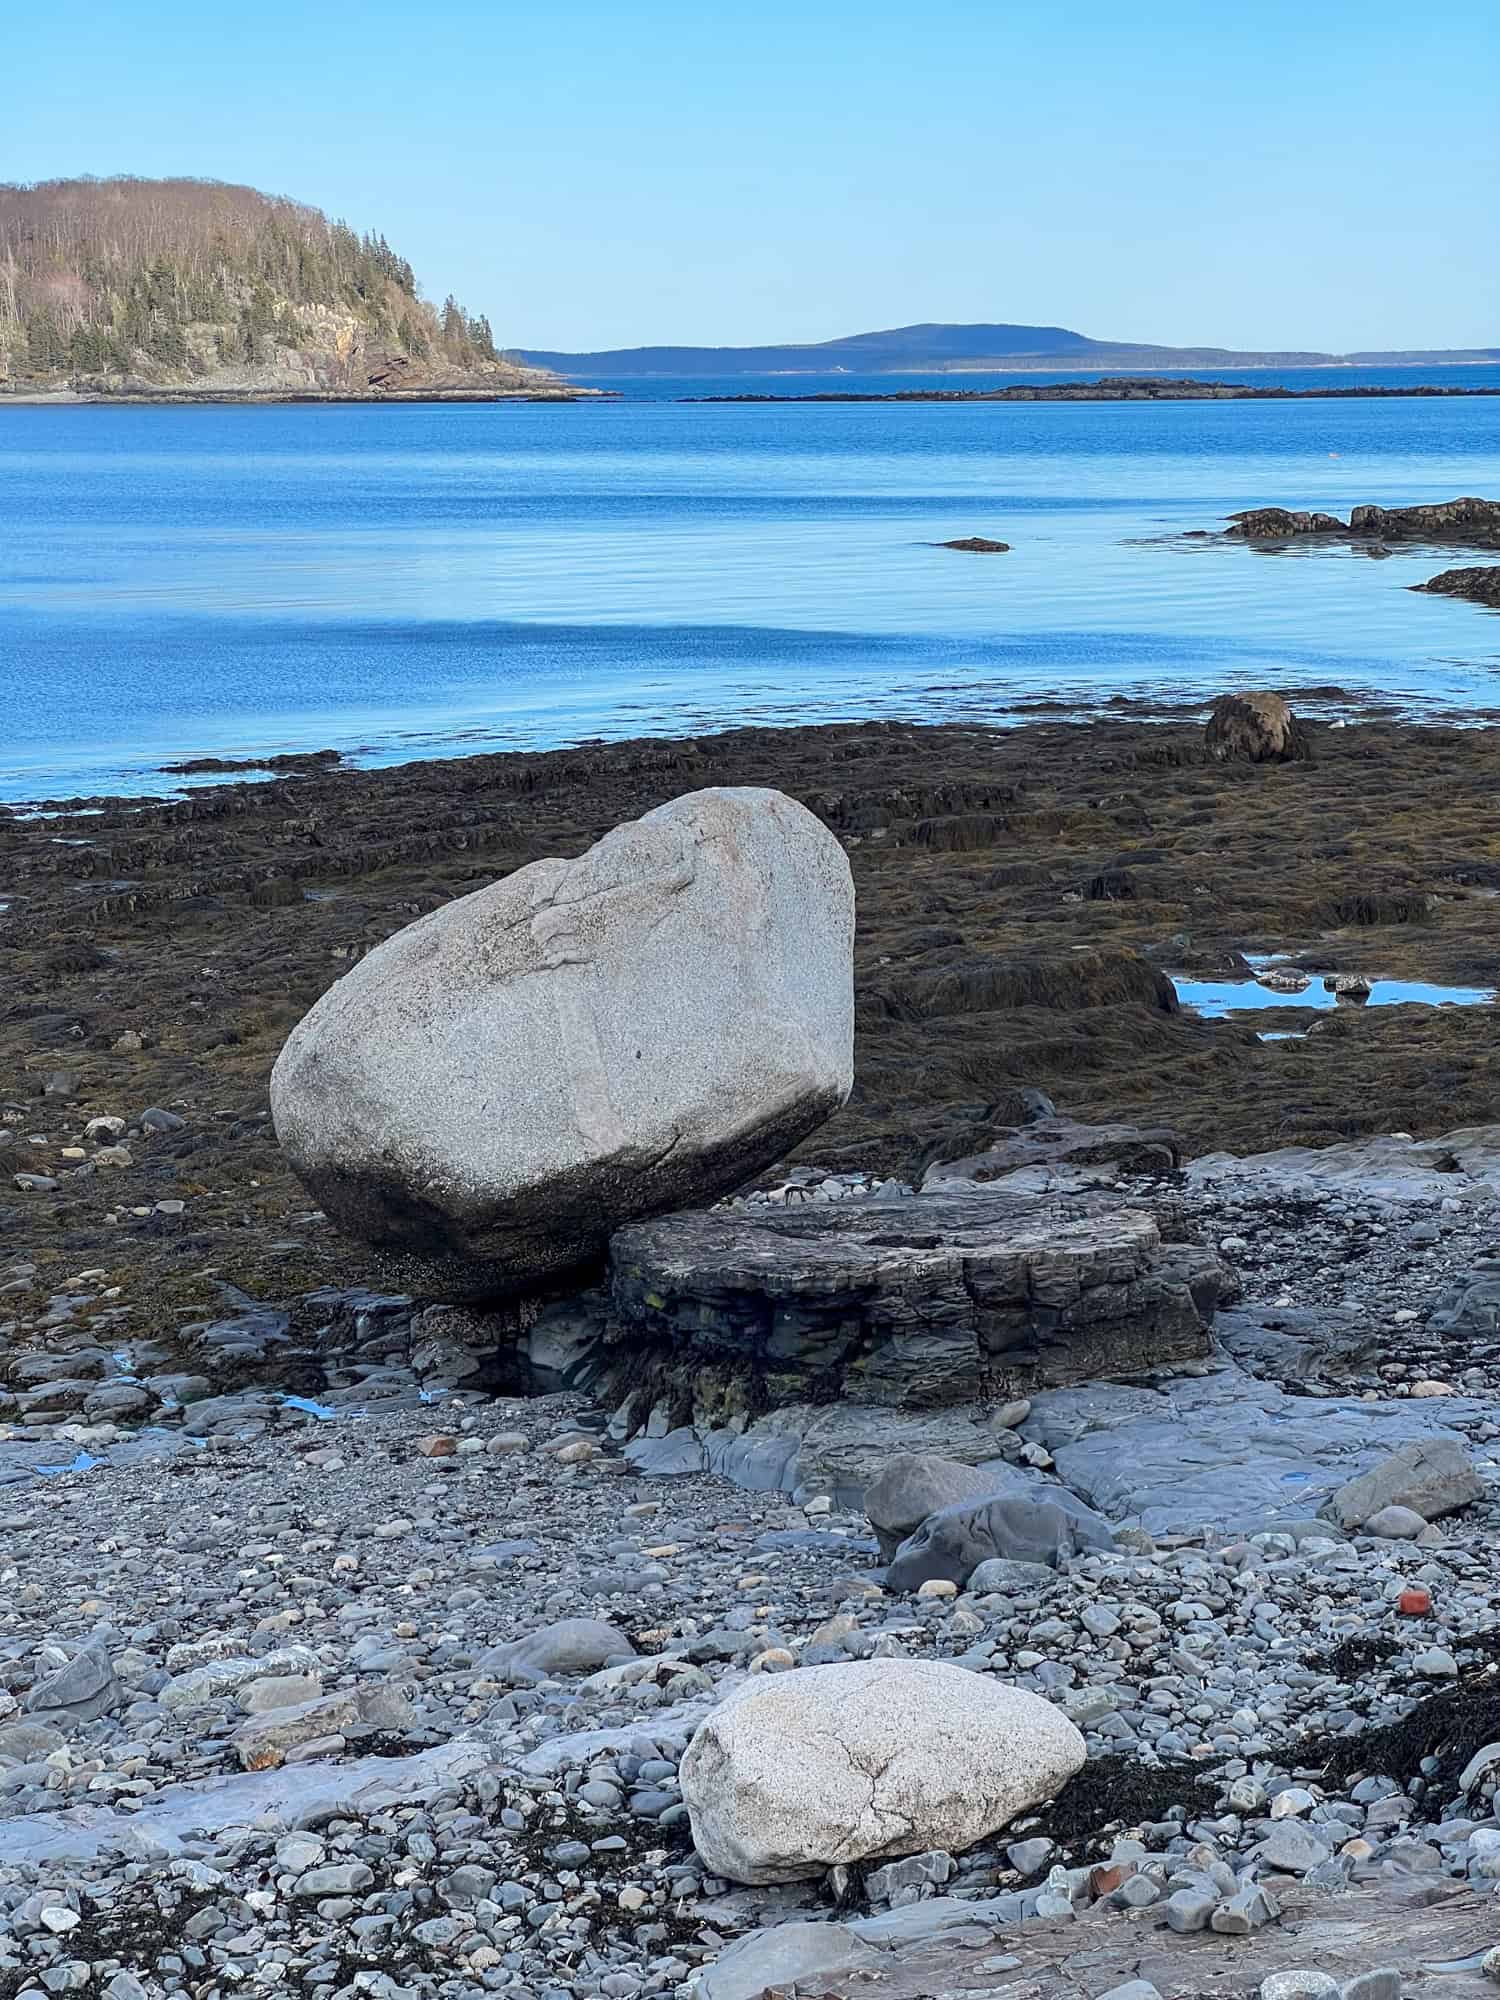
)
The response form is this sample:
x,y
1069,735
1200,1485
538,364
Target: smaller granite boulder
x,y
1047,1525
1433,1477
1256,728
800,1772
916,1484
571,1646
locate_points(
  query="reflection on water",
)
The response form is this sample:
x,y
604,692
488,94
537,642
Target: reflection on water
x,y
1214,998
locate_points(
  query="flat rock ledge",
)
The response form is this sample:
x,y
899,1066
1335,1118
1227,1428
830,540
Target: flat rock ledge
x,y
924,1303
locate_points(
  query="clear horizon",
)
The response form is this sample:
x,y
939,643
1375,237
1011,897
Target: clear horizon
x,y
1293,180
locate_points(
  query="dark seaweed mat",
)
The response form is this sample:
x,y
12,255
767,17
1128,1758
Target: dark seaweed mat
x,y
1120,1791
1447,1727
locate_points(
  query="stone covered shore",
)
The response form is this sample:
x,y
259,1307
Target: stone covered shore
x,y
330,1664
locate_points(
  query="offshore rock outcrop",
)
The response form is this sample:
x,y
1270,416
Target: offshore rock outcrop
x,y
1469,520
1480,585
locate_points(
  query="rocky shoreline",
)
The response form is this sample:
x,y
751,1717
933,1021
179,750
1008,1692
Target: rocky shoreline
x,y
354,1644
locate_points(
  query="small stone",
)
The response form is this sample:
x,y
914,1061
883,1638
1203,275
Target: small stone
x,y
632,1897
1395,1524
579,1452
1245,1912
774,1660
437,1445
505,1444
1190,1909
1489,1965
937,1586
1299,1985
1381,1983
1435,1663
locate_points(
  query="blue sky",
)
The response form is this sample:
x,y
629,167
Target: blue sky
x,y
1320,175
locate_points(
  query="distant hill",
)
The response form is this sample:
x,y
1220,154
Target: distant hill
x,y
942,349
134,286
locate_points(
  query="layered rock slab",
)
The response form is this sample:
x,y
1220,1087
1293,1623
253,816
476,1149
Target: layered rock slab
x,y
934,1300
489,1093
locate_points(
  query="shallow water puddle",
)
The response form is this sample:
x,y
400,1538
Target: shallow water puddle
x,y
1214,998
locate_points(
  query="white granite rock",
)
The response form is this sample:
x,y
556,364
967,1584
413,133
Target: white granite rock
x,y
830,1764
491,1092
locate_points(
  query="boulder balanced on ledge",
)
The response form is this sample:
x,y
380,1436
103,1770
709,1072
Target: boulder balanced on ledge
x,y
494,1090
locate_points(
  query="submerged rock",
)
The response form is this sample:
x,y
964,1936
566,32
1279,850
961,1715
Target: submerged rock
x,y
843,1764
490,1092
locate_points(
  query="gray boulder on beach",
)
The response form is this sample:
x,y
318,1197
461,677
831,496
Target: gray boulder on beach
x,y
1044,1525
490,1093
1432,1478
796,1773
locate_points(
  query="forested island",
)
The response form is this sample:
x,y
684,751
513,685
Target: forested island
x,y
193,289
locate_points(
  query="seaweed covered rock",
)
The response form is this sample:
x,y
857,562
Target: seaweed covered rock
x,y
491,1091
843,1764
1480,585
1061,1152
1257,728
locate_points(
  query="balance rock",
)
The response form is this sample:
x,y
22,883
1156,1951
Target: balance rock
x,y
488,1094
799,1772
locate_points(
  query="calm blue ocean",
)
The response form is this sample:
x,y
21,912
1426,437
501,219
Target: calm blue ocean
x,y
419,580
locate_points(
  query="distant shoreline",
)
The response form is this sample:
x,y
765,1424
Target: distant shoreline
x,y
68,399
1112,389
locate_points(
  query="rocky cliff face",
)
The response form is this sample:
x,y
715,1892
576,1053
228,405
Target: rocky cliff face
x,y
188,287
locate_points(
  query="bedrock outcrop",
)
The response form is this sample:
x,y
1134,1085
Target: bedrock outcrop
x,y
489,1093
935,1300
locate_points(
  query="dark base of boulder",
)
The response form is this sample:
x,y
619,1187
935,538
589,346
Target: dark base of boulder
x,y
553,1239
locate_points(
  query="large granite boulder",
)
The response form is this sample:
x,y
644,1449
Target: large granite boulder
x,y
920,1303
493,1090
792,1775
